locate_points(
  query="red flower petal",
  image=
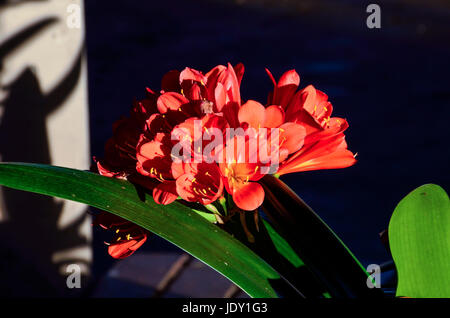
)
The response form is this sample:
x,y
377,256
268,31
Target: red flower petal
x,y
327,153
138,243
314,102
121,250
124,249
220,96
192,91
252,113
249,196
339,159
193,75
201,183
311,98
274,116
239,70
232,85
170,100
285,88
180,168
213,81
104,171
230,113
292,136
165,192
290,77
151,150
271,77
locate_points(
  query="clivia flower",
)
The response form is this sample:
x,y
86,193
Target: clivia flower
x,y
324,145
241,175
128,237
200,183
120,150
196,140
185,96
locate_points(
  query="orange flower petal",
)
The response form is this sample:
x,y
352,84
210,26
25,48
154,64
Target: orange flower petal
x,y
165,192
292,136
274,116
339,159
170,100
249,196
193,75
252,113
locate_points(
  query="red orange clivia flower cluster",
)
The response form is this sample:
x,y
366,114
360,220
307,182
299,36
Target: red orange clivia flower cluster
x,y
189,110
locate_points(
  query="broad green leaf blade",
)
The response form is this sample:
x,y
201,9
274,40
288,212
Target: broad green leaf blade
x,y
175,222
320,249
419,239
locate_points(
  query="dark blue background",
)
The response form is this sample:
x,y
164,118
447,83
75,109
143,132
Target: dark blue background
x,y
391,85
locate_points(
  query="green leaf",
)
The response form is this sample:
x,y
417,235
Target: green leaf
x,y
175,222
282,246
324,254
299,275
419,239
274,249
207,216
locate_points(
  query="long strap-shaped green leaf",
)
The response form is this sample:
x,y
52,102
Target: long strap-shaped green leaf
x,y
175,222
316,244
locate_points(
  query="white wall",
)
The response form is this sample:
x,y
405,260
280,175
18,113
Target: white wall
x,y
44,119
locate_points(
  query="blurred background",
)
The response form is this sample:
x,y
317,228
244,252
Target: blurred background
x,y
390,83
